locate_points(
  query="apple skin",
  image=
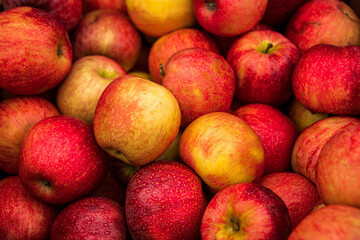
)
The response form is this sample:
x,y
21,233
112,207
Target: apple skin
x,y
91,5
60,160
136,120
31,38
298,193
227,144
90,218
311,141
323,85
263,61
121,41
331,222
228,17
330,22
67,12
337,169
21,215
164,200
245,211
167,45
155,18
201,81
276,131
17,115
79,93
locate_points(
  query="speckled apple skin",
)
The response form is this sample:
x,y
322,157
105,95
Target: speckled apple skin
x,y
164,200
22,216
61,150
261,214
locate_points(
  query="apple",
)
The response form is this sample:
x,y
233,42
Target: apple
x,y
31,38
330,22
155,18
136,120
90,218
168,44
337,169
301,116
109,33
222,149
201,81
142,74
323,85
276,131
331,223
67,12
60,160
164,200
91,5
311,141
21,215
245,211
17,115
80,91
263,61
229,17
298,193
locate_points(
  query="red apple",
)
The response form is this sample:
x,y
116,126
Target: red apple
x,y
323,85
136,120
90,218
310,142
164,200
263,61
165,46
36,53
298,193
332,222
79,93
90,5
245,211
109,33
222,149
276,131
201,81
21,215
60,160
17,115
67,12
337,170
229,17
323,22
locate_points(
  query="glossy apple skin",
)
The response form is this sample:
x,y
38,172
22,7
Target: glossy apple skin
x,y
329,223
245,211
165,46
330,22
298,193
337,169
263,77
323,85
79,93
310,142
90,218
164,200
60,160
201,81
90,5
136,120
276,131
228,17
121,41
17,115
21,215
31,38
222,149
67,12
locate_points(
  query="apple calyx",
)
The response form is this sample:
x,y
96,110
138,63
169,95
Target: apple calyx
x,y
59,52
45,182
161,70
210,4
235,224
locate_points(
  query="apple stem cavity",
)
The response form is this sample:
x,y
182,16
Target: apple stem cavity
x,y
235,224
210,5
59,51
46,182
161,70
268,47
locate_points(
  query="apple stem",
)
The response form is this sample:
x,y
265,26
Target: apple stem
x,y
161,70
269,45
235,224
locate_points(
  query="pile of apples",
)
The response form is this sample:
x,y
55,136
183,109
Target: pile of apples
x,y
179,119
